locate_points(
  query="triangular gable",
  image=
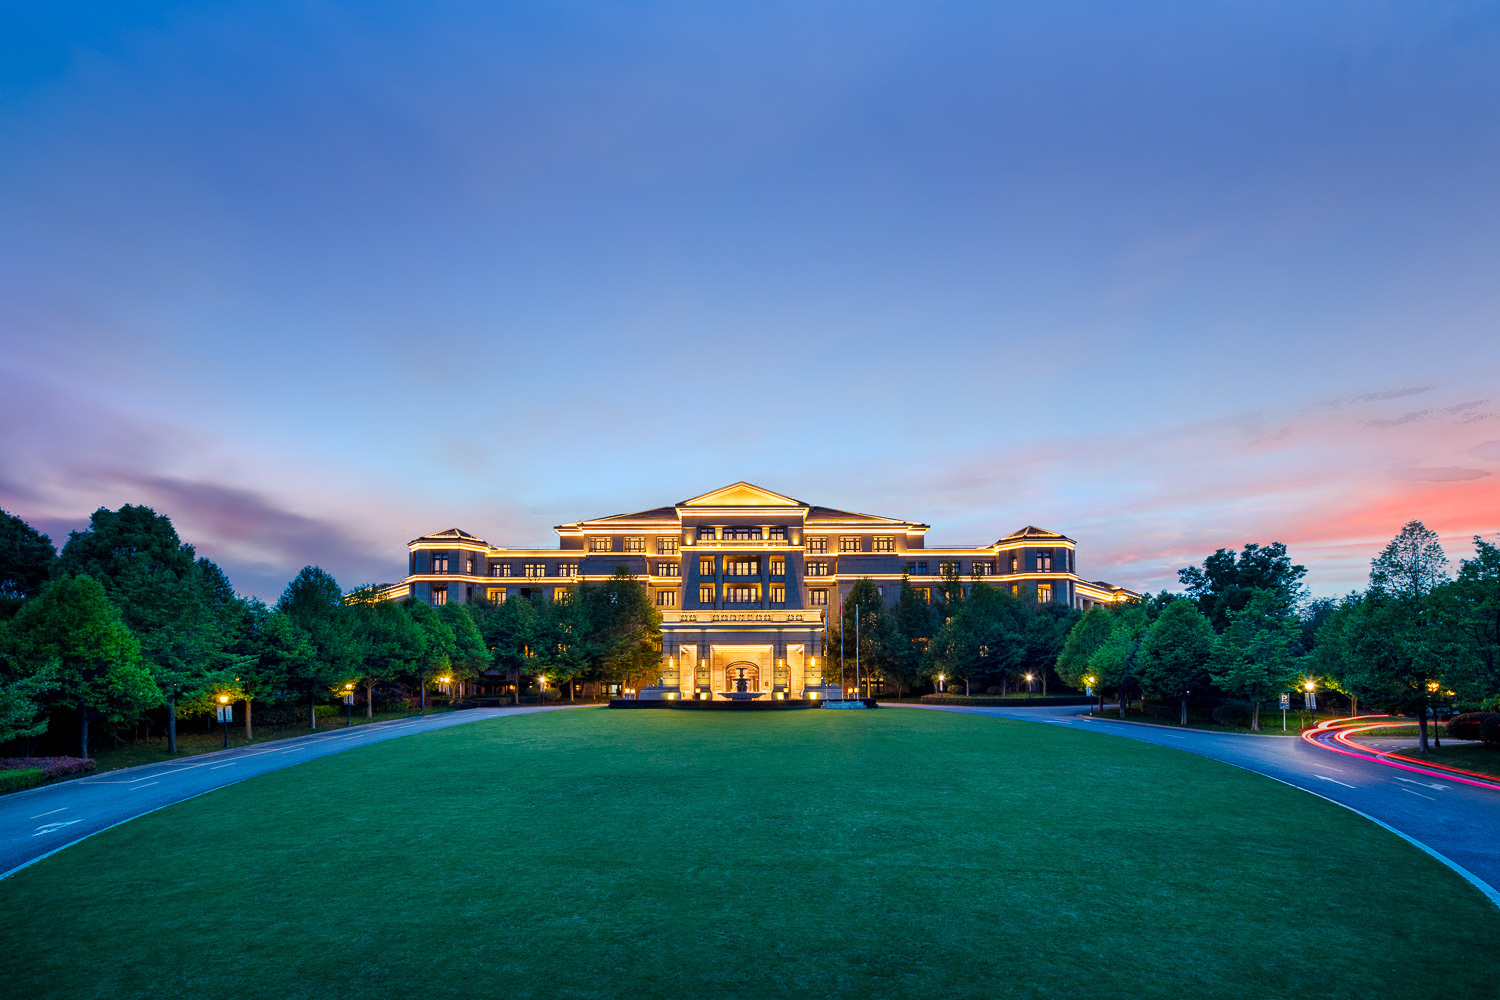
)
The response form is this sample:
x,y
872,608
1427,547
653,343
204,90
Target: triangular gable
x,y
742,495
1032,531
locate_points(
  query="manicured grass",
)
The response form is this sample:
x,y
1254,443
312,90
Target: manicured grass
x,y
1469,756
598,853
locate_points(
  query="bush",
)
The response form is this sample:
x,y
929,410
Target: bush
x,y
551,694
327,711
15,780
993,689
1489,731
51,767
1233,713
1467,725
984,699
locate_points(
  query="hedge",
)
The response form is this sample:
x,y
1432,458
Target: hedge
x,y
993,700
14,781
51,767
1467,725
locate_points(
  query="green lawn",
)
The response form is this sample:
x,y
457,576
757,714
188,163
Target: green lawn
x,y
894,853
1469,756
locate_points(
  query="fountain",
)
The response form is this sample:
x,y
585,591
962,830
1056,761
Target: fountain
x,y
742,690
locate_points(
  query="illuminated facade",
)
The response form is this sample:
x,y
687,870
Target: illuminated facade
x,y
744,578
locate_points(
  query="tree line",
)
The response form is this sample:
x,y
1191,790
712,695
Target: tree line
x,y
128,628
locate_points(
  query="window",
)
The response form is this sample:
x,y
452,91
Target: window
x,y
706,566
561,593
495,569
635,545
668,569
849,543
778,566
982,568
778,593
742,533
1044,593
741,595
535,569
567,569
945,567
885,545
666,598
818,545
439,563
470,570
817,598
916,569
706,594
1015,590
600,544
778,533
925,593
1015,564
1044,562
742,567
439,596
704,531
666,545
818,568
495,594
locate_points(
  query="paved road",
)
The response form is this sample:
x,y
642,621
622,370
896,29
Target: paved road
x,y
40,821
1456,821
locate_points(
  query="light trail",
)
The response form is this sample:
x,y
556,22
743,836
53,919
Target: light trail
x,y
1342,731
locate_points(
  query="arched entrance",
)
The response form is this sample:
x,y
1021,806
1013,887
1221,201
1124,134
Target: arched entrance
x,y
732,675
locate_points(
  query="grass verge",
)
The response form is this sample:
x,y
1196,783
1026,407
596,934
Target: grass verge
x,y
800,854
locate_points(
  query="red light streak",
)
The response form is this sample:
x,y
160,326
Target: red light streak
x,y
1342,729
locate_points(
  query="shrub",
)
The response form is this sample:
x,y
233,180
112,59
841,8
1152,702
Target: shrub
x,y
1233,713
327,711
1489,731
51,767
994,689
15,780
551,694
985,699
1467,725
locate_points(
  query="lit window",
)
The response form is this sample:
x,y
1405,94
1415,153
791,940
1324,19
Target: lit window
x,y
666,598
470,570
535,569
885,545
598,544
439,563
704,531
1044,562
778,567
981,568
945,567
778,593
667,545
925,593
778,533
561,593
495,594
706,594
818,545
667,569
635,545
706,566
742,533
1044,593
741,595
439,596
817,568
849,543
817,598
1015,564
742,567
567,569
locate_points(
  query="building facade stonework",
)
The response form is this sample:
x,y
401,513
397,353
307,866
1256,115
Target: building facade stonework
x,y
744,578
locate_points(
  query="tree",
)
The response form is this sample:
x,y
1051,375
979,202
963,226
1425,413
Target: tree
x,y
470,656
1411,565
1468,610
1226,583
1175,654
860,624
1256,657
386,642
1046,628
72,644
435,653
315,604
510,631
26,561
912,624
173,603
1113,664
1084,639
284,657
622,631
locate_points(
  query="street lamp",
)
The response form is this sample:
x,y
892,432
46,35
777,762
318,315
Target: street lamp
x,y
941,678
1029,686
224,713
348,704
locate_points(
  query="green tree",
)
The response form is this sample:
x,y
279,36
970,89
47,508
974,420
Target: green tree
x,y
860,620
623,639
1256,657
172,602
1175,654
26,561
470,657
386,642
1084,639
912,625
1045,631
1468,610
1226,583
510,631
1113,664
71,643
435,654
315,604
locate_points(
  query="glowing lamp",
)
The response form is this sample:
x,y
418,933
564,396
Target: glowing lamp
x,y
223,699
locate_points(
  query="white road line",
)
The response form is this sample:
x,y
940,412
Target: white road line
x,y
217,766
49,812
1322,777
54,827
1424,784
142,778
147,785
1419,795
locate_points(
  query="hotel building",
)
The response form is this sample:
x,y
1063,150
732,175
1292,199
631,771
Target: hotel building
x,y
744,578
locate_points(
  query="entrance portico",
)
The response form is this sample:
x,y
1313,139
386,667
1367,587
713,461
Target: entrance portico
x,y
702,652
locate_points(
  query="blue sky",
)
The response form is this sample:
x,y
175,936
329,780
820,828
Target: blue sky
x,y
317,278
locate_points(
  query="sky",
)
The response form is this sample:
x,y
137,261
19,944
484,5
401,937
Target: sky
x,y
316,278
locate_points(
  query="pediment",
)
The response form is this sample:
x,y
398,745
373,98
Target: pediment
x,y
742,495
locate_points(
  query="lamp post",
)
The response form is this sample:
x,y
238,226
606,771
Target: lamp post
x,y
224,711
1432,689
1030,687
940,679
348,704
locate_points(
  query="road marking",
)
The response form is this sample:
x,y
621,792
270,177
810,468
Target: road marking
x,y
49,812
142,778
1323,777
1424,784
1419,795
146,785
53,827
217,766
